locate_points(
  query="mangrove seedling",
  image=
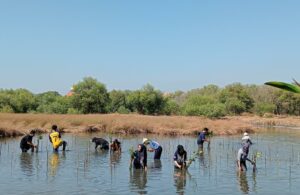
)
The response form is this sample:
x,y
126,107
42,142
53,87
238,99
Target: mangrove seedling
x,y
192,158
131,152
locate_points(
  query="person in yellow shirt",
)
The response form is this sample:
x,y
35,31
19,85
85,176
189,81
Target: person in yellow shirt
x,y
55,139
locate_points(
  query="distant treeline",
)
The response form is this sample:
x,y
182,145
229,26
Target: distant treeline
x,y
91,96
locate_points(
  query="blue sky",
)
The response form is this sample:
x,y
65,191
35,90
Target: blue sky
x,y
173,45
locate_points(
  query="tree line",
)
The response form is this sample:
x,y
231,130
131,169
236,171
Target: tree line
x,y
91,96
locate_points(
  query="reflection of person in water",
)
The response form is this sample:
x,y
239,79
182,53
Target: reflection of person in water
x,y
54,162
26,163
138,180
244,186
115,158
180,180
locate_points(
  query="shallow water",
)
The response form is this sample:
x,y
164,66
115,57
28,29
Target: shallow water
x,y
82,170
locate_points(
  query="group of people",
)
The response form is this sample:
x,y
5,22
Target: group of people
x,y
139,157
56,141
54,138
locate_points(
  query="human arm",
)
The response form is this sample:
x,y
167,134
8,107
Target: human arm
x,y
250,161
31,144
177,165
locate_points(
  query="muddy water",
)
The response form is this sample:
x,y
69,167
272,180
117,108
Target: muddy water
x,y
82,170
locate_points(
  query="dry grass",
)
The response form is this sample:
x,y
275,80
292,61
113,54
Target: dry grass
x,y
18,124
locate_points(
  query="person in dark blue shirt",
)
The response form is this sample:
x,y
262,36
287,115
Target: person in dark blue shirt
x,y
202,138
180,157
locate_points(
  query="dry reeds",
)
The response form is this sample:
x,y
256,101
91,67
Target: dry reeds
x,y
18,124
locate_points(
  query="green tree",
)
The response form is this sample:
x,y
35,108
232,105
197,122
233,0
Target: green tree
x,y
146,101
237,98
234,105
117,100
90,96
170,107
197,105
22,101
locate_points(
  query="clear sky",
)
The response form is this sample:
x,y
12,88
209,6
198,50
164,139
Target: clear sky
x,y
173,45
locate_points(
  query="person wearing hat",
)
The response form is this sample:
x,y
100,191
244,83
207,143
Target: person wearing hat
x,y
202,138
55,139
26,142
153,147
246,139
242,157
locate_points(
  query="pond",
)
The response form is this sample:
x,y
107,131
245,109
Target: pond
x,y
82,170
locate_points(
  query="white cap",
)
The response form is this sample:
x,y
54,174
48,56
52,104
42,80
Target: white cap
x,y
245,134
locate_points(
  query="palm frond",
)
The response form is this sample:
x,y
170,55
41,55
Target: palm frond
x,y
284,86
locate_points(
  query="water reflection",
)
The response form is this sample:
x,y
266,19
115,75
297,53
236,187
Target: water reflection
x,y
138,181
243,181
115,158
54,162
26,163
157,165
180,180
202,161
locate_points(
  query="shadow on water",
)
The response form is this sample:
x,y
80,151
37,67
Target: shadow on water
x,y
138,181
55,161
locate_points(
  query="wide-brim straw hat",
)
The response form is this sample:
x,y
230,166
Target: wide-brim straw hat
x,y
145,140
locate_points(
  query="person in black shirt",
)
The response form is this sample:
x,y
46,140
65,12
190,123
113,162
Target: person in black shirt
x,y
139,157
26,142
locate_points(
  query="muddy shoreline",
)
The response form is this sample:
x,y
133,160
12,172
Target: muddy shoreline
x,y
12,125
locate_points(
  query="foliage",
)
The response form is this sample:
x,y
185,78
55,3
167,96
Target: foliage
x,y
170,107
234,106
90,96
236,98
18,101
203,106
117,100
262,108
146,101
